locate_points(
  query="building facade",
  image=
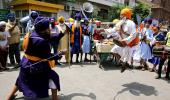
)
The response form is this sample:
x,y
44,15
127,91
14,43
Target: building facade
x,y
4,9
161,9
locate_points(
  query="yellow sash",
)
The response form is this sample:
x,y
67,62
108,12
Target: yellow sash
x,y
72,35
34,58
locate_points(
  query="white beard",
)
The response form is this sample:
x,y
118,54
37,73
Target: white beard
x,y
62,26
77,23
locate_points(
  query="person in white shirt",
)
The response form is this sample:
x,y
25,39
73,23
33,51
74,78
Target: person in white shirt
x,y
64,43
3,46
146,38
30,24
54,44
127,31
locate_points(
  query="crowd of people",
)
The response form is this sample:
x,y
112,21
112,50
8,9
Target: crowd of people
x,y
46,41
9,42
140,42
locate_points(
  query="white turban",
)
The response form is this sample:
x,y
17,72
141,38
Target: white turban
x,y
2,23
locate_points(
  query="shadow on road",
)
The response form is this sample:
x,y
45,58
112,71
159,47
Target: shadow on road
x,y
12,69
136,89
91,96
106,66
82,64
167,80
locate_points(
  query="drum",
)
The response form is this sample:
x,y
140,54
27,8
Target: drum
x,y
161,50
167,50
117,42
158,51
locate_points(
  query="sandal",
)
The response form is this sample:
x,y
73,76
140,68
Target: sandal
x,y
123,68
143,69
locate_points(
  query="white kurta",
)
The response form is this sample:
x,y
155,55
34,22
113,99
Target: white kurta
x,y
64,42
145,48
30,27
86,44
125,52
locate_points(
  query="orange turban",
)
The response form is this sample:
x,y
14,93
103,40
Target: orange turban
x,y
61,19
127,12
155,29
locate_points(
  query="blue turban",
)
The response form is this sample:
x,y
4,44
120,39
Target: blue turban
x,y
77,16
148,20
11,16
41,23
52,19
33,15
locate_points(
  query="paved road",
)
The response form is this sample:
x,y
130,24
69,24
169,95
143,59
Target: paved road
x,y
88,82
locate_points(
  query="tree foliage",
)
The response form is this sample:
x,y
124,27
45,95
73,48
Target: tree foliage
x,y
114,12
142,10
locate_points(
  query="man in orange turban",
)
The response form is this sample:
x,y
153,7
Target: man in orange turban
x,y
64,42
128,37
126,12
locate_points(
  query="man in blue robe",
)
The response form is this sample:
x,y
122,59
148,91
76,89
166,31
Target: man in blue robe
x,y
76,37
35,78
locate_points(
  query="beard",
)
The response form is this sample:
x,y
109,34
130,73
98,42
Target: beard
x,y
77,23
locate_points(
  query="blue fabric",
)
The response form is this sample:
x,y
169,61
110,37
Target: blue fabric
x,y
77,16
76,47
36,85
145,51
41,23
155,60
34,15
11,16
160,37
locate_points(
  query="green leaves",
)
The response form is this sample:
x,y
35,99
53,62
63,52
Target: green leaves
x,y
71,0
142,10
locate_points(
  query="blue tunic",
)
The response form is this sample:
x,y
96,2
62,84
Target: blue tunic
x,y
76,47
36,85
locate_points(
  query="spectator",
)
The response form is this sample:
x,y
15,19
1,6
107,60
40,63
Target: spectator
x,y
163,59
14,40
30,25
3,46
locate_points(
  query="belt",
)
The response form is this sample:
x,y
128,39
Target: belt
x,y
34,58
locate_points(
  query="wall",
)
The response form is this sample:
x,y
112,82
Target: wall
x,y
161,9
1,4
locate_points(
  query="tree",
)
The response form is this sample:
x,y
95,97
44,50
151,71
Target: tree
x,y
142,10
114,11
